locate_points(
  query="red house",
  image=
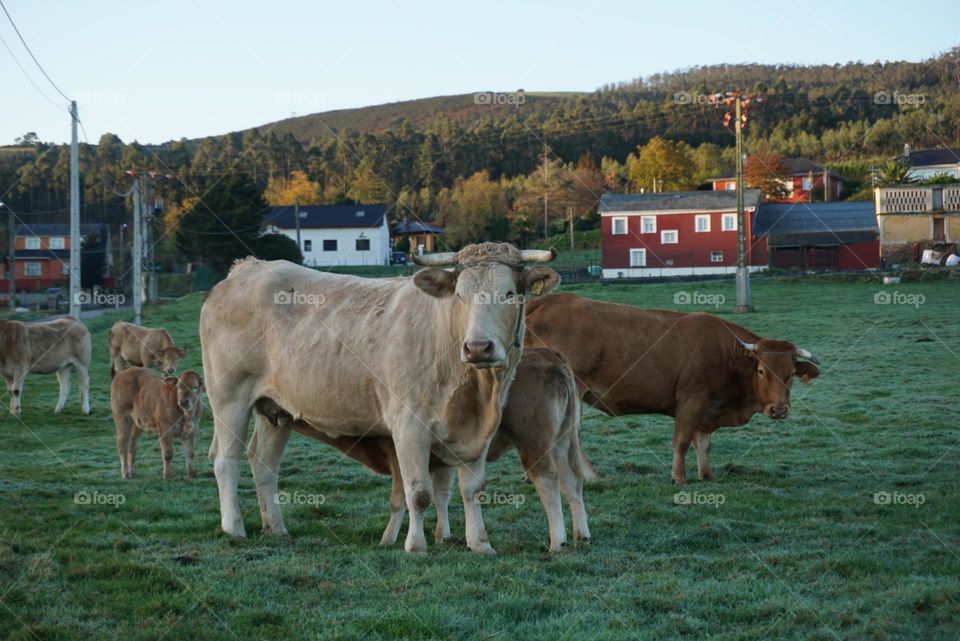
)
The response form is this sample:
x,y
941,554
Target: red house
x,y
807,182
675,233
43,254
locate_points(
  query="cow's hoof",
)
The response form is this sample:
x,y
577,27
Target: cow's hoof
x,y
277,533
583,539
677,481
708,477
483,548
234,529
559,547
415,546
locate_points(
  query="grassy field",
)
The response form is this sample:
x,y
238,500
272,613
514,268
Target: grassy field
x,y
842,522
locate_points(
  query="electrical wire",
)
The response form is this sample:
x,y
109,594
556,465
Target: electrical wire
x,y
27,47
32,82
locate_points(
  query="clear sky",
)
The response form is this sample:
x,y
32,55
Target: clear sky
x,y
155,71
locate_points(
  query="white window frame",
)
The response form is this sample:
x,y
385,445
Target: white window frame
x,y
730,217
32,242
33,269
613,226
663,237
806,183
716,257
643,224
56,242
642,261
696,223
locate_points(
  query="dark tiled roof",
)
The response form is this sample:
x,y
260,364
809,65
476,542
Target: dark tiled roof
x,y
925,157
58,229
416,227
812,224
794,167
328,216
677,200
44,254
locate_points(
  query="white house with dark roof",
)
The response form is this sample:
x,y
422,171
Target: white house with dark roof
x,y
331,235
927,163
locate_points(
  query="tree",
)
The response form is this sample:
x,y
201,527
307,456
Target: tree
x,y
474,210
765,170
895,172
225,225
667,162
295,189
92,260
278,247
27,140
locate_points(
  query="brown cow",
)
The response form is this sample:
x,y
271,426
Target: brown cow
x,y
45,348
143,402
143,347
541,419
704,371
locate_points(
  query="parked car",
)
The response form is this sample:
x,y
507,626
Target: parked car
x,y
398,258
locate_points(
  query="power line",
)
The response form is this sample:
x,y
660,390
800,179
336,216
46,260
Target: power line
x,y
27,47
32,82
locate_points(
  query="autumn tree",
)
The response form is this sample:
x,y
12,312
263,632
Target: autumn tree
x,y
474,210
298,188
764,170
667,162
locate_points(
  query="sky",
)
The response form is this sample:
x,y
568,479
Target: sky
x,y
153,72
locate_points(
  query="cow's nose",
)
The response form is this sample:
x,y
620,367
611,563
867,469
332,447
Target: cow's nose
x,y
478,351
778,411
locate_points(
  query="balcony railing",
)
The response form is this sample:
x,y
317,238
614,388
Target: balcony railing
x,y
910,199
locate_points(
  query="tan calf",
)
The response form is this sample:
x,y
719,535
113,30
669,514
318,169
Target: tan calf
x,y
144,402
143,347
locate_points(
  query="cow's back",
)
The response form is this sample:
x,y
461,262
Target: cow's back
x,y
58,343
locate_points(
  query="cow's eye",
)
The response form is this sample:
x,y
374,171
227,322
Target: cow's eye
x,y
761,371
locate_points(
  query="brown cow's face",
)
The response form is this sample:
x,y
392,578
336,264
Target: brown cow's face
x,y
189,387
169,359
776,366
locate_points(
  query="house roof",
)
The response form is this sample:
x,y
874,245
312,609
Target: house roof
x,y
44,254
677,200
794,167
416,227
328,216
816,224
928,157
58,229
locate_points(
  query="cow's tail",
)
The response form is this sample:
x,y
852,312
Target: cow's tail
x,y
113,369
571,424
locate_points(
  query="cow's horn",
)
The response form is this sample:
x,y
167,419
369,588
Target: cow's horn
x,y
750,347
440,259
537,255
802,353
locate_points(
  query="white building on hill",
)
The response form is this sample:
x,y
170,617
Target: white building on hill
x,y
336,234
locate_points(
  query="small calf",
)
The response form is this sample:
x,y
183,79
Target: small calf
x,y
143,402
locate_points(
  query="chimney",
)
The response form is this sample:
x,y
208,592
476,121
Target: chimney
x,y
906,150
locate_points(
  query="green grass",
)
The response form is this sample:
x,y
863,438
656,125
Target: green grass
x,y
798,549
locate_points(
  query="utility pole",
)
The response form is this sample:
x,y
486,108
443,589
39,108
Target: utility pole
x,y
546,222
296,221
11,257
74,214
740,119
137,245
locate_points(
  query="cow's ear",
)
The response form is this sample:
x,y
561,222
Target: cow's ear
x,y
807,371
170,381
539,280
436,282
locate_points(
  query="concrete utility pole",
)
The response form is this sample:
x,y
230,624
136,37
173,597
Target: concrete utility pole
x,y
74,214
296,222
546,222
137,244
11,257
743,274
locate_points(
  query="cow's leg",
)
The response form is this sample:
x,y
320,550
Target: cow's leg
x,y
125,429
166,447
681,443
135,433
15,387
230,425
83,376
543,473
398,505
412,442
442,480
63,376
472,479
265,451
187,444
701,444
571,485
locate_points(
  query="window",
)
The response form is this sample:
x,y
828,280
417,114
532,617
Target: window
x,y
33,242
669,237
716,257
329,245
638,257
731,185
56,242
308,245
806,183
619,226
363,244
729,222
65,269
703,222
32,269
648,224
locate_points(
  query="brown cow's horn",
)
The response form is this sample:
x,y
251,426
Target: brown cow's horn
x,y
802,353
537,255
440,259
750,347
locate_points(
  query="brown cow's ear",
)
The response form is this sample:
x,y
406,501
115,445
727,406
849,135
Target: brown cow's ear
x,y
807,371
170,381
539,280
438,283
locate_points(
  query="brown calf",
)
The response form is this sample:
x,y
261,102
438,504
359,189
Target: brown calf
x,y
143,347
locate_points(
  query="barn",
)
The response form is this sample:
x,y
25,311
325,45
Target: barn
x,y
835,235
675,233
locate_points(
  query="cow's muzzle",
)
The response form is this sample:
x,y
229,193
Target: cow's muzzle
x,y
776,411
481,353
